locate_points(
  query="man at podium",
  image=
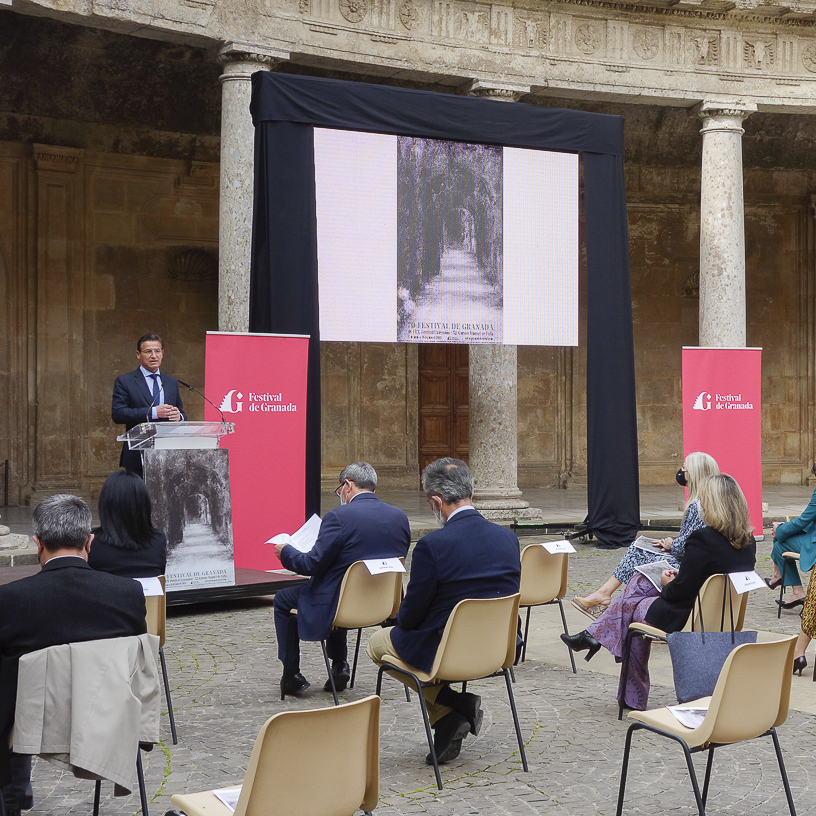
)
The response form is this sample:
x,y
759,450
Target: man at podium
x,y
145,395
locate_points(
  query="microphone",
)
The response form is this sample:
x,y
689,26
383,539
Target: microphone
x,y
187,385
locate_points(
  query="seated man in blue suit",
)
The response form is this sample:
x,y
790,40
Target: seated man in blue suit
x,y
469,557
362,527
145,395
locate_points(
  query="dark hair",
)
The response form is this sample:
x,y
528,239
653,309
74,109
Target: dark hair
x,y
62,522
124,512
449,478
148,338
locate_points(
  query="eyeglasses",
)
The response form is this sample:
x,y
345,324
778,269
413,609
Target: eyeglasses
x,y
339,490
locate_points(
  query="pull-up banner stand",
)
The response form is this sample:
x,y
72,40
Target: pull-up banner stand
x,y
284,279
258,382
722,399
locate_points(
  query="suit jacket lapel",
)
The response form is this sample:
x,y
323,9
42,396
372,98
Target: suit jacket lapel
x,y
141,384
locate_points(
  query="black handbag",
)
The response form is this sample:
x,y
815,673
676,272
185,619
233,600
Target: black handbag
x,y
698,657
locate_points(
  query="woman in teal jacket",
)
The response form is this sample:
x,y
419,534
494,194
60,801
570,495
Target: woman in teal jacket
x,y
797,535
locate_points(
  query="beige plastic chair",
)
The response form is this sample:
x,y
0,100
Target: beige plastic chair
x,y
543,582
479,641
322,762
365,600
716,617
750,700
156,616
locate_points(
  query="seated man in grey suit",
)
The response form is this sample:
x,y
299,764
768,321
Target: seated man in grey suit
x,y
362,527
469,557
66,602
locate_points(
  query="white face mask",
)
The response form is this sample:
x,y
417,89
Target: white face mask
x,y
440,519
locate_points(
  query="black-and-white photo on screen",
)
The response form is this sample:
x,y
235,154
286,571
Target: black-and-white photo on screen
x,y
421,240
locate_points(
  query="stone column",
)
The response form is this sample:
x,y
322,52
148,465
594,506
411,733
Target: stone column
x,y
722,225
493,425
240,61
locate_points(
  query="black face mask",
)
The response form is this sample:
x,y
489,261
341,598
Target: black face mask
x,y
681,478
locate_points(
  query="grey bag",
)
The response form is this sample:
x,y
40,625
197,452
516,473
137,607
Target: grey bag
x,y
698,657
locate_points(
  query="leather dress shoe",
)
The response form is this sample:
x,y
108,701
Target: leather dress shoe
x,y
449,732
341,673
293,684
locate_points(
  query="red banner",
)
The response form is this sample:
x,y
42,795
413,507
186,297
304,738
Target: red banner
x,y
259,382
722,398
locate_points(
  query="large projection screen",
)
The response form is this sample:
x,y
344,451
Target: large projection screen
x,y
431,241
284,299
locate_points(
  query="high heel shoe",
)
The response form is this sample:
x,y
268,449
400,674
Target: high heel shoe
x,y
293,684
592,609
583,640
798,664
773,584
792,604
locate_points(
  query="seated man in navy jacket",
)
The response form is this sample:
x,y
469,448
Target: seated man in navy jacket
x,y
362,527
469,557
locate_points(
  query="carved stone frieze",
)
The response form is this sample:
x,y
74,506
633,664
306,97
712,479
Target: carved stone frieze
x,y
646,43
530,31
353,10
809,57
759,53
410,14
588,38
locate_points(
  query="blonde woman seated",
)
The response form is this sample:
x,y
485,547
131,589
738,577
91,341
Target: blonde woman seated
x,y
724,545
696,467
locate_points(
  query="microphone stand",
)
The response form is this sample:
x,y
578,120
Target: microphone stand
x,y
187,385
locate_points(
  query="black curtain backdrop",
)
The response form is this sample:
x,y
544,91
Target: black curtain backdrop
x,y
283,292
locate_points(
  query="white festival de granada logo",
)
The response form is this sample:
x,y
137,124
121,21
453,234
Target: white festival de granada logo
x,y
727,402
264,403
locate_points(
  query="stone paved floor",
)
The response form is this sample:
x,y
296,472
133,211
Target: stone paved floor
x,y
224,677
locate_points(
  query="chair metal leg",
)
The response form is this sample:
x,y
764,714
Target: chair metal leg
x,y
356,654
526,634
782,587
566,632
140,775
167,696
506,674
627,747
97,795
425,718
782,770
512,674
329,672
709,764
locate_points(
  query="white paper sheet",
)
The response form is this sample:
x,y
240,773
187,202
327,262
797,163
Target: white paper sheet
x,y
150,586
558,547
690,716
647,544
229,796
304,539
654,571
378,565
746,581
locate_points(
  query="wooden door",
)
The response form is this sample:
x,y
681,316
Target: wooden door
x,y
443,402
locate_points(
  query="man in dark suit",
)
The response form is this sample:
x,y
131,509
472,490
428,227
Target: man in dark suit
x,y
145,395
66,602
469,557
362,527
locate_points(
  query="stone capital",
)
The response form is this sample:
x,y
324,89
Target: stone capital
x,y
241,60
502,91
725,115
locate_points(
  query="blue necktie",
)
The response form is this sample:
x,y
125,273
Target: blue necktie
x,y
155,387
